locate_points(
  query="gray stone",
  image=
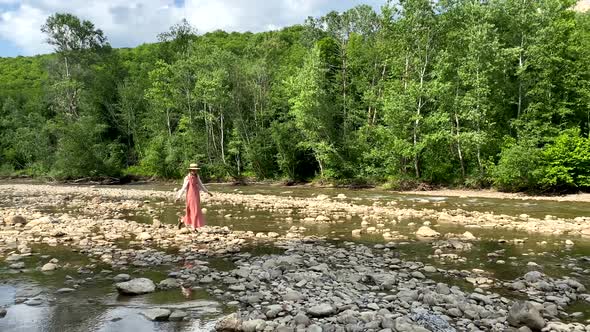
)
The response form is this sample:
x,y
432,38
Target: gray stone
x,y
320,268
314,328
387,323
18,265
301,319
443,289
64,290
455,312
373,306
533,276
253,325
49,267
168,283
229,323
157,314
136,286
418,275
430,269
237,288
177,315
481,298
33,302
273,311
321,310
3,312
293,296
16,220
122,277
426,231
518,285
404,324
525,313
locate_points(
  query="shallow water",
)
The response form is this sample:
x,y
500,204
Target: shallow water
x,y
97,307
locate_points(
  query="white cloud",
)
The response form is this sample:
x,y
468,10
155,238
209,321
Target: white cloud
x,y
132,22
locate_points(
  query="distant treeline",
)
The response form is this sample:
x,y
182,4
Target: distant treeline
x,y
454,92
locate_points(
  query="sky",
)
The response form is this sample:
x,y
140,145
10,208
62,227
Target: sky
x,y
128,23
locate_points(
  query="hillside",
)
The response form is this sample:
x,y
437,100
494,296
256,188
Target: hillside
x,y
473,94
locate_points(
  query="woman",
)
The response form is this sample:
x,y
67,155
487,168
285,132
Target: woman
x,y
192,186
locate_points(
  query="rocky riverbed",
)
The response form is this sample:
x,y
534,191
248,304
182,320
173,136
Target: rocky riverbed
x,y
288,262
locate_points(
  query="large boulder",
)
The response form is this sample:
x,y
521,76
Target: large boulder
x,y
136,286
426,231
525,313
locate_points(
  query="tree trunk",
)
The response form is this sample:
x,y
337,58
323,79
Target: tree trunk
x,y
221,139
168,122
459,151
520,65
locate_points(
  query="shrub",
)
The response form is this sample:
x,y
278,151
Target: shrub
x,y
566,162
518,168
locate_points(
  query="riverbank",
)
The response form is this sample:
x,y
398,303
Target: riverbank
x,y
449,192
488,193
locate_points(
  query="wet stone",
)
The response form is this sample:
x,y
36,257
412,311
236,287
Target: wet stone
x,y
156,314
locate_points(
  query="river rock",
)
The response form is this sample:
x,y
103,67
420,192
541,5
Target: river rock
x,y
321,310
404,324
229,323
253,325
156,314
65,290
121,277
533,276
293,296
16,220
49,267
525,313
177,315
17,266
426,231
468,236
301,320
33,302
13,258
136,286
3,312
168,283
144,236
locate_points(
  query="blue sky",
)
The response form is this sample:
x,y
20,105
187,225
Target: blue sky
x,y
132,22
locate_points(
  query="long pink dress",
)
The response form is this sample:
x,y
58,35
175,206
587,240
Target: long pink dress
x,y
193,216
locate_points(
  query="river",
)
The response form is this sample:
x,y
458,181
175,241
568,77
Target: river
x,y
35,300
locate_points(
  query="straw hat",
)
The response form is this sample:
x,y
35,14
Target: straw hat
x,y
193,166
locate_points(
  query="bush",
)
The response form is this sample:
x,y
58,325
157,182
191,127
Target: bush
x,y
566,162
161,158
518,168
81,151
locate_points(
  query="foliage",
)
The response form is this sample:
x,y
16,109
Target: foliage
x,y
518,167
419,93
567,162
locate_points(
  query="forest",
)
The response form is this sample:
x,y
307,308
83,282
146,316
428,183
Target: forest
x,y
460,93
